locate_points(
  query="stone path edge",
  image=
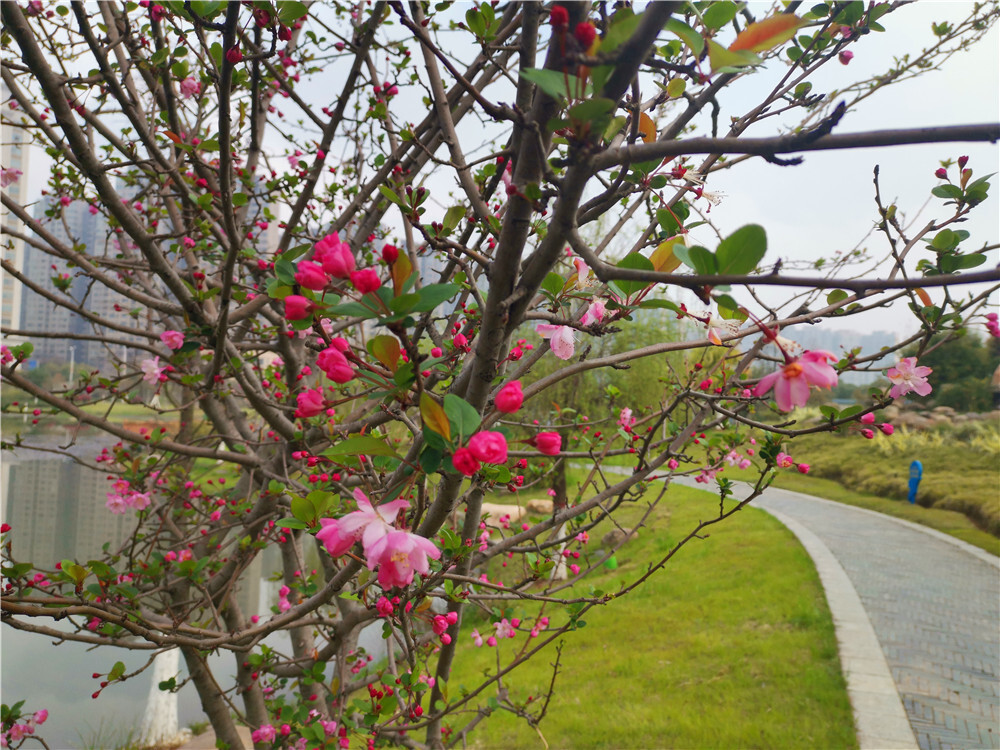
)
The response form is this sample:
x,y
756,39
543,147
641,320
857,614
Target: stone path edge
x,y
969,548
879,717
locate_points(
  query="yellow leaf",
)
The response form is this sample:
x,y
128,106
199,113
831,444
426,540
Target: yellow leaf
x,y
766,34
647,128
434,417
401,271
386,350
663,258
924,297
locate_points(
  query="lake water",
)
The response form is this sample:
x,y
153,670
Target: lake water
x,y
56,509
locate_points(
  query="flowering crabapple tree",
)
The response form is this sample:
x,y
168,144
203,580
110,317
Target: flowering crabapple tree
x,y
347,239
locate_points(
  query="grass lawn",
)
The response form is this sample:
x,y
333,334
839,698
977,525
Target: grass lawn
x,y
730,645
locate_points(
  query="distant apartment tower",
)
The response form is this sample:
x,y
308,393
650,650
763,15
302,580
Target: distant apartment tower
x,y
13,155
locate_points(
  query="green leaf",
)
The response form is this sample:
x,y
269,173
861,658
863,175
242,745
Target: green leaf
x,y
953,192
555,83
290,523
462,415
718,14
285,271
591,110
968,261
623,25
388,193
727,61
240,199
697,258
358,445
635,261
676,87
944,240
660,304
452,218
553,284
116,671
837,295
304,510
433,295
290,11
689,36
741,251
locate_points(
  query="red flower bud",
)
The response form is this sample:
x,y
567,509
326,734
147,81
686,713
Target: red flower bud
x,y
234,55
559,17
585,34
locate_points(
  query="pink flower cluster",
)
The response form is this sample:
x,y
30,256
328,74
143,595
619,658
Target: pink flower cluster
x,y
503,629
122,497
993,325
397,554
484,448
18,732
441,623
784,461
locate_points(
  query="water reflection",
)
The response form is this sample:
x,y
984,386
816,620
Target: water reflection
x,y
56,509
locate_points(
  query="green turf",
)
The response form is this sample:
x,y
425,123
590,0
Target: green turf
x,y
731,645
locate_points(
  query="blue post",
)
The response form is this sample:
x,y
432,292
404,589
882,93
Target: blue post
x,y
916,472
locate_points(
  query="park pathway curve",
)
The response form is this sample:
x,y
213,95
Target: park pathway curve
x,y
934,606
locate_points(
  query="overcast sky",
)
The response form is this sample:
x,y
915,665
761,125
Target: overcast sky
x,y
826,204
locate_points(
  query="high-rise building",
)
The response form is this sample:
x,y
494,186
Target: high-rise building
x,y
13,156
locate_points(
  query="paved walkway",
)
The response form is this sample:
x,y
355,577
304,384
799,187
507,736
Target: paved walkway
x,y
934,607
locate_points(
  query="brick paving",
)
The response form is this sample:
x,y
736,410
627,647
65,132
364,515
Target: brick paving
x,y
935,609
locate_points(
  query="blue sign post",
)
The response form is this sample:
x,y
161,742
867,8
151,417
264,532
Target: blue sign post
x,y
916,471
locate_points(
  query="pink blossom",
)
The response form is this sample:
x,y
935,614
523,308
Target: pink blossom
x,y
868,434
504,629
335,365
310,403
993,325
560,339
868,418
370,523
335,256
298,307
92,209
398,556
6,355
791,383
582,273
311,276
152,370
476,638
595,313
333,537
172,339
41,716
906,376
510,397
625,419
465,462
845,57
190,87
672,464
116,503
784,460
366,280
489,447
266,733
384,606
548,443
803,468
234,55
9,176
886,428
719,327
